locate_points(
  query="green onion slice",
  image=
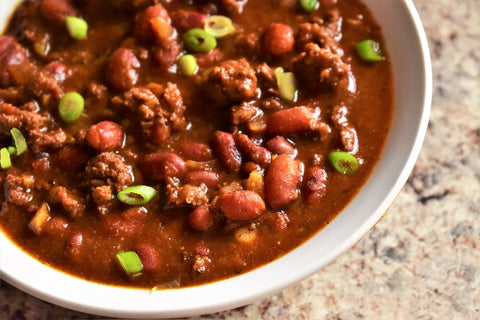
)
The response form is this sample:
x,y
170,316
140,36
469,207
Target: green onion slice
x,y
308,5
12,150
199,40
5,161
187,65
287,85
71,106
344,162
130,263
219,26
136,195
369,50
19,141
77,27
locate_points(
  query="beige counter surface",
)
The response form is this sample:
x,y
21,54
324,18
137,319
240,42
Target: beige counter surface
x,y
422,261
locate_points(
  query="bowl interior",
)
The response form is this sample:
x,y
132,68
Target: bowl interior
x,y
412,80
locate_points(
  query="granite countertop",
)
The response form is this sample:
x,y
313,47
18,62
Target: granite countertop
x,y
422,260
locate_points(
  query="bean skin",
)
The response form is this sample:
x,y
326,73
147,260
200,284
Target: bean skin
x,y
280,145
201,218
240,205
281,181
186,20
162,165
256,153
73,247
278,39
143,27
292,121
226,151
196,151
123,69
105,136
209,178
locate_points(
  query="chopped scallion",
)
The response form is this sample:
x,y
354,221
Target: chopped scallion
x,y
136,195
77,27
344,162
5,161
199,40
308,5
12,150
219,26
19,141
71,106
130,263
287,85
369,50
187,65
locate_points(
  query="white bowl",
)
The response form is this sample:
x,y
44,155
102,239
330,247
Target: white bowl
x,y
409,53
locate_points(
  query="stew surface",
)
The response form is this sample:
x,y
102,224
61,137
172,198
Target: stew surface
x,y
233,161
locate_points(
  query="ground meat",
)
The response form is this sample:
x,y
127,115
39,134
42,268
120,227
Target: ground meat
x,y
11,95
108,174
248,43
313,32
232,81
159,113
319,69
18,191
244,113
69,201
39,141
11,116
186,194
233,6
267,80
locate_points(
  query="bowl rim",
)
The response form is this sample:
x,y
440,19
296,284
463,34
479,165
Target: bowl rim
x,y
123,302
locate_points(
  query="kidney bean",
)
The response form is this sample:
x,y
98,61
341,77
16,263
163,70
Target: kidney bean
x,y
11,53
143,27
281,181
240,205
167,54
72,159
280,145
56,226
328,3
226,151
209,178
277,39
201,218
125,225
57,71
196,151
149,256
57,10
292,121
105,136
72,249
207,59
256,153
162,165
186,20
123,69
315,186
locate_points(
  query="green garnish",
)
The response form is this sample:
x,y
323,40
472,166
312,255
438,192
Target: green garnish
x,y
5,161
130,263
287,85
187,65
199,40
19,141
344,162
219,26
308,5
71,106
136,195
77,27
369,50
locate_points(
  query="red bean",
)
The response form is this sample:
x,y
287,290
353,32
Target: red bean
x,y
56,226
125,225
186,20
196,151
281,181
123,69
57,10
209,178
278,39
240,205
292,121
207,59
105,136
201,218
280,145
143,28
167,54
11,53
256,153
149,256
161,165
56,70
72,159
329,3
226,151
72,249
315,184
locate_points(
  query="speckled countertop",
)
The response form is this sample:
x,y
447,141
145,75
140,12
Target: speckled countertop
x,y
422,261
